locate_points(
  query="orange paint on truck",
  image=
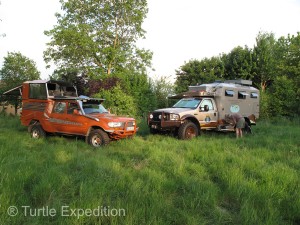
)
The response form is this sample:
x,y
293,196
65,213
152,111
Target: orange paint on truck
x,y
54,107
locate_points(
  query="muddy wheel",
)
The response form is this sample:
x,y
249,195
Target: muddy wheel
x,y
98,138
36,131
188,130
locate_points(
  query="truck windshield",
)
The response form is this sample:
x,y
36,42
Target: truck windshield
x,y
187,103
89,108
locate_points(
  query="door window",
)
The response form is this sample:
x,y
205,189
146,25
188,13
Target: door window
x,y
207,102
72,106
60,107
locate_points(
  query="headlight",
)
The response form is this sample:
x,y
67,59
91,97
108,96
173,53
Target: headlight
x,y
174,116
115,124
151,116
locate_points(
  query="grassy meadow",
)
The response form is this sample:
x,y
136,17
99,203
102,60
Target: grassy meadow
x,y
152,179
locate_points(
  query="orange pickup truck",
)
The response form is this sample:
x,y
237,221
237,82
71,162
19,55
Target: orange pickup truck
x,y
54,107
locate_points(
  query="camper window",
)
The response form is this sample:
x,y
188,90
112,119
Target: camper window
x,y
229,93
37,91
242,95
254,95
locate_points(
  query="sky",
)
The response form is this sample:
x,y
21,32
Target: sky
x,y
177,30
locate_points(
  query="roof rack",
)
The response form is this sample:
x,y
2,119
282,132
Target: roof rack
x,y
239,81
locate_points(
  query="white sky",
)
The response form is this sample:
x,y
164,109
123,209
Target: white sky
x,y
177,30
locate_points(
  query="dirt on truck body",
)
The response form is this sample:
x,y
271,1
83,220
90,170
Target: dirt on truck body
x,y
204,107
54,107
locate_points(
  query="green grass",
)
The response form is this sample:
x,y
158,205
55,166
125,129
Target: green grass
x,y
155,179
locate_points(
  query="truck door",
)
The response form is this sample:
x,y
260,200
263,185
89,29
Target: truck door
x,y
208,116
58,116
64,120
75,121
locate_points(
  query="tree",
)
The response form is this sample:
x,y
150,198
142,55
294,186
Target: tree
x,y
264,60
289,68
238,63
162,89
16,69
98,37
197,72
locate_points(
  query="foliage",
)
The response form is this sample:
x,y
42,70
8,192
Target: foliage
x,y
283,97
98,37
198,72
157,179
16,69
162,89
117,101
139,87
264,60
238,63
108,83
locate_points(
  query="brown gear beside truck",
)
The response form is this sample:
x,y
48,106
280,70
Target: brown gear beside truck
x,y
204,107
54,107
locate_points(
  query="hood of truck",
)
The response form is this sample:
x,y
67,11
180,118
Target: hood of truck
x,y
110,117
179,111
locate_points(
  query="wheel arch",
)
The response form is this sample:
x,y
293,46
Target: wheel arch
x,y
90,130
192,119
31,123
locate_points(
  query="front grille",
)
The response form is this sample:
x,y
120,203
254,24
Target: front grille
x,y
130,124
158,115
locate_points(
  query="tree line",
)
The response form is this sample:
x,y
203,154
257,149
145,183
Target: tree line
x,y
94,47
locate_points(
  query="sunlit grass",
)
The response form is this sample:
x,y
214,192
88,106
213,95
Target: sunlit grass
x,y
157,179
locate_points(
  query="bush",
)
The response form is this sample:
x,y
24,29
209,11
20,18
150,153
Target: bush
x,y
118,101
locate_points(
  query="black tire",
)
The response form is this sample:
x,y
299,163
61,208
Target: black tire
x,y
36,131
188,130
153,131
98,138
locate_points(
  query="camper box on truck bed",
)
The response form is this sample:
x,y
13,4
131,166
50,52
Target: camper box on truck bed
x,y
203,107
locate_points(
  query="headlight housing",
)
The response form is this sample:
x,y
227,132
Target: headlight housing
x,y
115,124
174,116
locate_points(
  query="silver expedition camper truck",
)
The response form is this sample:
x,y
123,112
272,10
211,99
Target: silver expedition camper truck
x,y
204,107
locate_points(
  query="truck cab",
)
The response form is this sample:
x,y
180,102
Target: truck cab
x,y
54,107
205,106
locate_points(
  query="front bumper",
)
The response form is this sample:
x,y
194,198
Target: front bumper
x,y
123,132
160,122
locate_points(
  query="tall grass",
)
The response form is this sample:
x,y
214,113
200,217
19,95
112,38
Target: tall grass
x,y
156,179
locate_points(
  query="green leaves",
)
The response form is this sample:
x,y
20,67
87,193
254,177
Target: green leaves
x,y
98,34
16,69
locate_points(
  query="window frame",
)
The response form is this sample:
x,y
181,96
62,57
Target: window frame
x,y
253,95
229,93
242,95
33,91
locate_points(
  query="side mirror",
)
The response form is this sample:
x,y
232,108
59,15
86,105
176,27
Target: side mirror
x,y
206,108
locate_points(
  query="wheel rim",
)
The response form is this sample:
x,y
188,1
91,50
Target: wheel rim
x,y
35,133
96,141
190,132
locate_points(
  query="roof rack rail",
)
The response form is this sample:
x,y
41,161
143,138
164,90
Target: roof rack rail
x,y
239,81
